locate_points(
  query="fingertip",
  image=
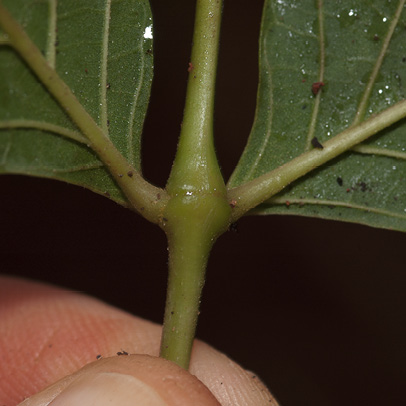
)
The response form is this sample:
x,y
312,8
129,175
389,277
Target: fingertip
x,y
51,333
129,380
227,380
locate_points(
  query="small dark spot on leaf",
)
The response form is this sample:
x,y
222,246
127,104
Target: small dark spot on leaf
x,y
108,86
340,181
190,67
86,71
363,186
120,175
130,174
158,196
404,59
316,87
56,43
287,203
149,52
172,312
164,219
376,37
304,107
316,143
98,356
108,123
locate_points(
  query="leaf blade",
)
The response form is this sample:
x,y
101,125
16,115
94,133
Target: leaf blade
x,y
285,132
86,62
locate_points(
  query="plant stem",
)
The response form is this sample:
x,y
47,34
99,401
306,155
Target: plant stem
x,y
196,165
253,193
147,199
197,212
193,224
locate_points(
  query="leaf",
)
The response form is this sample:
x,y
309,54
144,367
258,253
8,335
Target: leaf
x,y
103,51
323,68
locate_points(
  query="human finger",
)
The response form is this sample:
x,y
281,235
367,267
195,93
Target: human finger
x,y
126,381
50,333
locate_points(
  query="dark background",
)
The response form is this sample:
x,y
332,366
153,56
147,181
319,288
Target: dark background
x,y
316,308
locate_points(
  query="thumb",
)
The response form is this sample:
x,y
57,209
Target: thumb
x,y
126,380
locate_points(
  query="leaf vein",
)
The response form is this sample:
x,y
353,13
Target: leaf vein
x,y
325,202
390,153
43,126
320,79
78,168
265,141
362,107
51,42
130,138
103,68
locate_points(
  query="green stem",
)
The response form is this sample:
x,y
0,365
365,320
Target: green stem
x,y
198,210
147,199
192,225
196,165
253,193
185,284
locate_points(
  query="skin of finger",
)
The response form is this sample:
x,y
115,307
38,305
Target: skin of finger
x,y
172,384
48,333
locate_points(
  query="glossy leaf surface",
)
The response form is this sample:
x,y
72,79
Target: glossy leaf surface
x,y
102,49
325,66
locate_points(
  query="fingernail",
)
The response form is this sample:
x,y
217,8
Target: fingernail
x,y
108,389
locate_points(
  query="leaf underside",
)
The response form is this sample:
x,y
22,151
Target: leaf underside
x,y
338,43
103,50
